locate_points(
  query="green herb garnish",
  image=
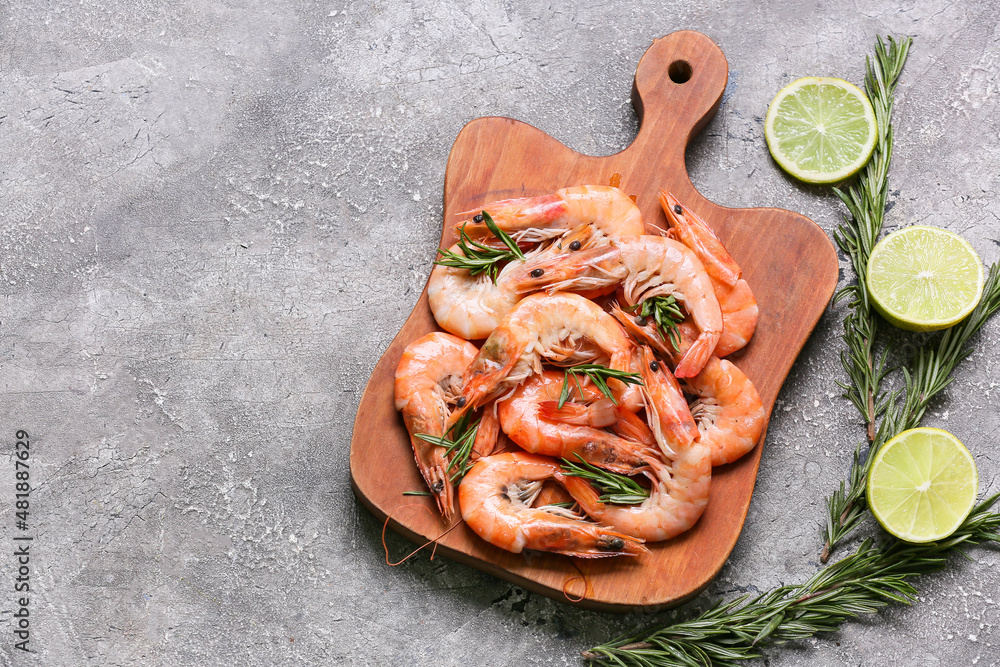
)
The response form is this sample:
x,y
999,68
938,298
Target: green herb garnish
x,y
614,488
599,375
458,446
666,312
734,632
477,258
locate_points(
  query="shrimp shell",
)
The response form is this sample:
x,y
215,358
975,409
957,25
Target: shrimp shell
x,y
470,306
645,266
679,490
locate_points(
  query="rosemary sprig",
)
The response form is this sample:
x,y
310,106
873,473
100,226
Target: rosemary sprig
x,y
932,368
666,312
865,201
458,446
599,375
614,488
730,633
477,258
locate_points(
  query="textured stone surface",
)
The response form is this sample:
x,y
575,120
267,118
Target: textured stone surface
x,y
215,217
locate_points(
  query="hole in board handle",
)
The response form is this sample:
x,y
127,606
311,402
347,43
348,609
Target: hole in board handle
x,y
679,71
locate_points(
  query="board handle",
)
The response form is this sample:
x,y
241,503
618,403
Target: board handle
x,y
677,89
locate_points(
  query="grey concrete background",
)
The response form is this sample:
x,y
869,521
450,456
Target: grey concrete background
x,y
214,216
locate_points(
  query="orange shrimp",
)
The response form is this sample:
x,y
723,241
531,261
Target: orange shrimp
x,y
739,307
472,306
521,419
728,410
646,266
679,490
675,415
428,379
496,495
559,327
608,210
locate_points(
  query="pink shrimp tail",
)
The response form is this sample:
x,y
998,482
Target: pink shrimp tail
x,y
696,356
583,493
631,427
569,413
487,435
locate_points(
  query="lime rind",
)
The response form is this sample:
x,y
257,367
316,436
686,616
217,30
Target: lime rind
x,y
924,278
922,485
821,129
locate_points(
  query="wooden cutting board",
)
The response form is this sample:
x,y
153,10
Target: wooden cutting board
x,y
786,258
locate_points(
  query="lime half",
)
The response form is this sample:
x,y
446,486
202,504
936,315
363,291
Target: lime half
x,y
820,129
924,278
922,485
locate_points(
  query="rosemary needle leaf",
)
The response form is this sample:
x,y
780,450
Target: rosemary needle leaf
x,y
599,375
666,312
865,201
477,258
502,235
864,582
614,488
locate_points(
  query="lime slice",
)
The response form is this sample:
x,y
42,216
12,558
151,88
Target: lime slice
x,y
923,278
922,485
820,129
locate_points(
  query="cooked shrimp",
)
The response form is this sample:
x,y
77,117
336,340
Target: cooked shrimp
x,y
533,219
646,266
559,327
428,378
739,308
521,420
675,415
728,410
495,497
679,490
470,306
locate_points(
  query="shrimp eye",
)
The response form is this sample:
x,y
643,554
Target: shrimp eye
x,y
641,321
654,365
478,217
460,402
575,245
613,544
537,273
677,209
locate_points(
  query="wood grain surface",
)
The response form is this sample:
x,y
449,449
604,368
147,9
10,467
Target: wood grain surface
x,y
786,258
